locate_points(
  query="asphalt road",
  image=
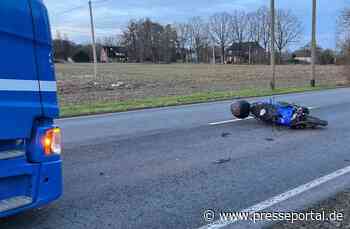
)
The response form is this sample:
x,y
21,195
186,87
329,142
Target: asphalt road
x,y
162,168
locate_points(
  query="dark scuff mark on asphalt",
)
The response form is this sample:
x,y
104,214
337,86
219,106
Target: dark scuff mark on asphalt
x,y
222,161
225,135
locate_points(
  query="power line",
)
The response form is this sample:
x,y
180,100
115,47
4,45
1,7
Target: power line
x,y
85,33
69,10
79,7
99,2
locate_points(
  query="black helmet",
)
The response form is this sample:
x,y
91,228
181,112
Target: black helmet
x,y
240,109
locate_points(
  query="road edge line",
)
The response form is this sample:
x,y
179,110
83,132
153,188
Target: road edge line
x,y
282,197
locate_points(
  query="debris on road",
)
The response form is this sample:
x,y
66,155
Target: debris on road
x,y
222,161
225,135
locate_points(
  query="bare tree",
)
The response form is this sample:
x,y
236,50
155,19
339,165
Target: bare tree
x,y
63,47
221,31
346,17
288,30
343,41
343,33
168,44
254,32
150,41
129,40
198,36
240,26
183,36
147,40
263,15
58,46
111,40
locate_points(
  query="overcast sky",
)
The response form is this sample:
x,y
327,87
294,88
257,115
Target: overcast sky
x,y
72,17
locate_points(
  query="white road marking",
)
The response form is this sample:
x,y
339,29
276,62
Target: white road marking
x,y
229,121
237,120
282,197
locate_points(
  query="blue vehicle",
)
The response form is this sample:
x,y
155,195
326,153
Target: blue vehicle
x,y
30,143
277,113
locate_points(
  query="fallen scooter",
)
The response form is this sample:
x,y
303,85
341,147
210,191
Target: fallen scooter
x,y
277,113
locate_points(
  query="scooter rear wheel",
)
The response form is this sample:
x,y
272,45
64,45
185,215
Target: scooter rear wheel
x,y
315,121
309,122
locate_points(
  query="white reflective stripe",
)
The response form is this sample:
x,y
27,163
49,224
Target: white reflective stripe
x,y
27,85
18,85
48,86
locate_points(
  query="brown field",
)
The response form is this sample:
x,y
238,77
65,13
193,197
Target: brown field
x,y
120,82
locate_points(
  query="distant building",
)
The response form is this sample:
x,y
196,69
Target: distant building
x,y
215,55
303,59
323,56
110,54
302,56
104,57
245,53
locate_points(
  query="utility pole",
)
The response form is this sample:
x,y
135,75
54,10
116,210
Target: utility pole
x,y
214,57
313,43
273,59
93,40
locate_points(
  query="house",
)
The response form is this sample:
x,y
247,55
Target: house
x,y
245,53
214,55
302,56
113,54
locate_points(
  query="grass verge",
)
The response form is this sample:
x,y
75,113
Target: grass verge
x,y
128,105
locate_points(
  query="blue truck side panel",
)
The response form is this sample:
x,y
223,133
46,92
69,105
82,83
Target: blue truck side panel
x,y
13,106
16,39
28,104
44,57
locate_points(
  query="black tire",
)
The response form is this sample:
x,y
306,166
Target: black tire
x,y
313,121
306,110
240,109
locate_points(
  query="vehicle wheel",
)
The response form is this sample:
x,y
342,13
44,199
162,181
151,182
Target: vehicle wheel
x,y
313,121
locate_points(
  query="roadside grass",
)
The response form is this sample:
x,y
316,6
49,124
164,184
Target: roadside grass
x,y
128,105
